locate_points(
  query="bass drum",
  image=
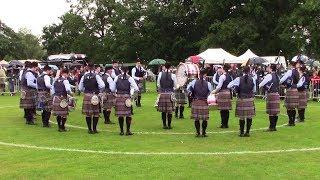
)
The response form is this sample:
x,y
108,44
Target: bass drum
x,y
186,72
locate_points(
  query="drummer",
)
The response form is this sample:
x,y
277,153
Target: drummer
x,y
224,96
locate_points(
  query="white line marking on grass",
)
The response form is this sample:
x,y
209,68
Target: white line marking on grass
x,y
3,107
167,133
158,153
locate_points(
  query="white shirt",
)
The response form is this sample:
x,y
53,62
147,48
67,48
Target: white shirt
x,y
100,82
236,82
301,81
66,85
133,84
133,73
47,80
173,77
113,73
214,79
222,78
287,75
265,80
31,80
192,83
112,84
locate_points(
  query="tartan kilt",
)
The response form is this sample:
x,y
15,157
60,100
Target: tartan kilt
x,y
30,100
56,109
108,101
200,110
87,108
181,97
245,108
120,105
303,99
292,99
46,99
140,85
224,100
165,104
273,104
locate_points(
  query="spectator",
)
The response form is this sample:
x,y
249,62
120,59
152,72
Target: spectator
x,y
3,78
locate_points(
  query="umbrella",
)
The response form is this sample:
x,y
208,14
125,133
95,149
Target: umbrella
x,y
195,59
157,62
255,61
15,64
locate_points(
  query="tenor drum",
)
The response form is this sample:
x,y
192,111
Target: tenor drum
x,y
186,71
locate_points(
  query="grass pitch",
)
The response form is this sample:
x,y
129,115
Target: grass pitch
x,y
30,163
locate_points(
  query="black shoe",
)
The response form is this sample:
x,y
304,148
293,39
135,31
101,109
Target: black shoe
x,y
204,135
169,127
129,133
31,123
290,125
246,135
121,133
165,127
176,116
138,105
95,132
268,130
181,117
198,135
222,127
60,130
90,132
241,135
46,125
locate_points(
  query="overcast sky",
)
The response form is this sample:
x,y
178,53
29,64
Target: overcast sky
x,y
31,14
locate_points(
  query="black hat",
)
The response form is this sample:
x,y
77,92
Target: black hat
x,y
46,68
114,61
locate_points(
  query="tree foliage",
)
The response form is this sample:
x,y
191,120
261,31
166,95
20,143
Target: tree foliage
x,y
175,29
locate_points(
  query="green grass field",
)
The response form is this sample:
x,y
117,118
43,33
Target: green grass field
x,y
48,154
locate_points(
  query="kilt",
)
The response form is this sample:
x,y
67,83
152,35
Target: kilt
x,y
87,108
120,105
45,98
292,99
224,100
165,104
245,108
30,100
108,101
200,110
56,109
140,84
303,99
181,97
273,104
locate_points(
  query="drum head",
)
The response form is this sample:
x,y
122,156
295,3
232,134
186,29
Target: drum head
x,y
181,74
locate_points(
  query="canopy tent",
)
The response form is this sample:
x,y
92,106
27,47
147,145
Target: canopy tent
x,y
275,60
30,60
218,56
246,56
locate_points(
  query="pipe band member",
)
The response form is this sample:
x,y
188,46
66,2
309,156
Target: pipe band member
x,y
60,90
138,74
271,83
166,83
123,104
91,85
116,71
181,100
28,99
216,76
44,96
245,108
290,80
200,108
109,98
303,85
224,96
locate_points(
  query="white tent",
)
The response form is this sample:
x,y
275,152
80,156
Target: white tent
x,y
218,56
247,55
273,60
